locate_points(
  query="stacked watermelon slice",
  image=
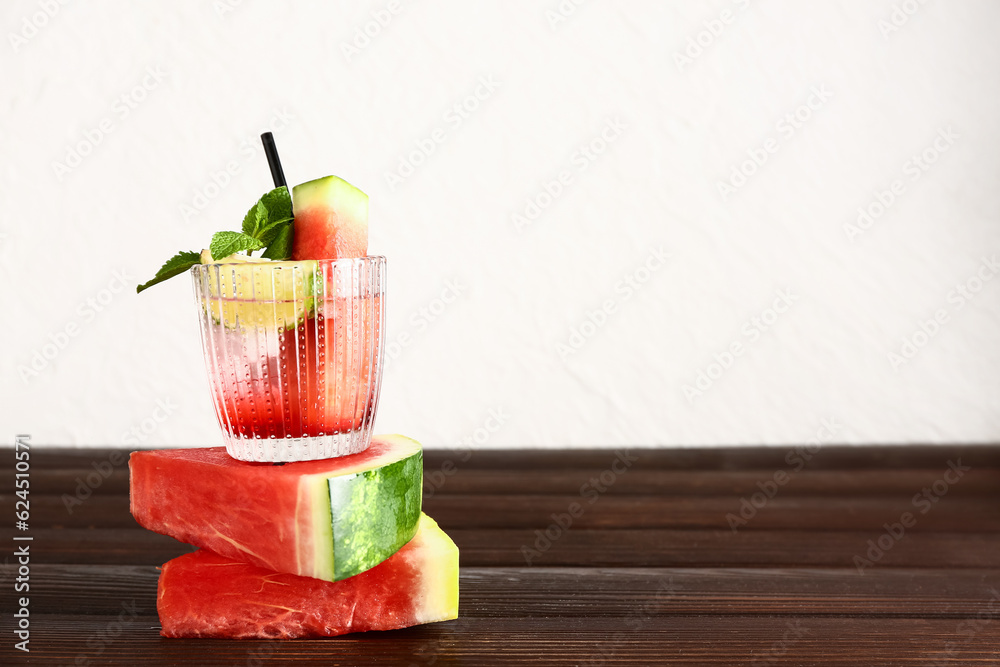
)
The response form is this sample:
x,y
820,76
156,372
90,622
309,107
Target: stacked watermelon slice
x,y
300,549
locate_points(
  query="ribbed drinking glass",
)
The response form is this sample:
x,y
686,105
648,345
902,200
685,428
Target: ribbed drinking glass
x,y
294,354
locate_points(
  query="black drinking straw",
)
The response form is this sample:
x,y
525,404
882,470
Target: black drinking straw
x,y
272,159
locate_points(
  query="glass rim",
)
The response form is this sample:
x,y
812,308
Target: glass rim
x,y
367,259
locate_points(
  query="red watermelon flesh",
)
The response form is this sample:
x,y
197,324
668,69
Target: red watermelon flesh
x,y
329,519
331,220
202,594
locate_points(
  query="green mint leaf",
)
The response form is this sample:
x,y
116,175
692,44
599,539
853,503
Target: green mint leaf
x,y
225,244
268,233
267,220
174,266
280,247
278,203
277,233
255,217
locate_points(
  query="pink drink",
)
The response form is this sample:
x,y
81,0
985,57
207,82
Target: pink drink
x,y
294,354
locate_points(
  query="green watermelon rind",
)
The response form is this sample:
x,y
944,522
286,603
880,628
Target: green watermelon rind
x,y
332,190
364,536
333,523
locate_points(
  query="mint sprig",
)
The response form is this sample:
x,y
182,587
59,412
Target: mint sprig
x,y
267,225
174,266
225,244
254,216
266,220
280,247
271,211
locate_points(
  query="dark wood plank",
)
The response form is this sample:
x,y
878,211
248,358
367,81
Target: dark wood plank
x,y
825,457
952,513
537,592
636,639
736,483
905,482
89,546
714,548
589,548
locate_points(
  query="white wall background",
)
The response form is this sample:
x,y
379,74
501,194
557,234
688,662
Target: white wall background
x,y
231,68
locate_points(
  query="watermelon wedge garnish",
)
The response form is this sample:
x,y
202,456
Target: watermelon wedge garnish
x,y
331,220
202,594
329,519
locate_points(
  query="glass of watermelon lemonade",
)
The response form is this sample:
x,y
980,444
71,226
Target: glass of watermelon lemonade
x,y
294,354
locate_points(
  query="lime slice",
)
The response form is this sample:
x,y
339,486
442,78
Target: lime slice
x,y
251,292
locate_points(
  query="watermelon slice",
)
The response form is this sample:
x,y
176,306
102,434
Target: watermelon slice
x,y
329,519
202,594
331,220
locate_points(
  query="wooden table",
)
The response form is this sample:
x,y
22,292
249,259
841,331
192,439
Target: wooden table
x,y
836,559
